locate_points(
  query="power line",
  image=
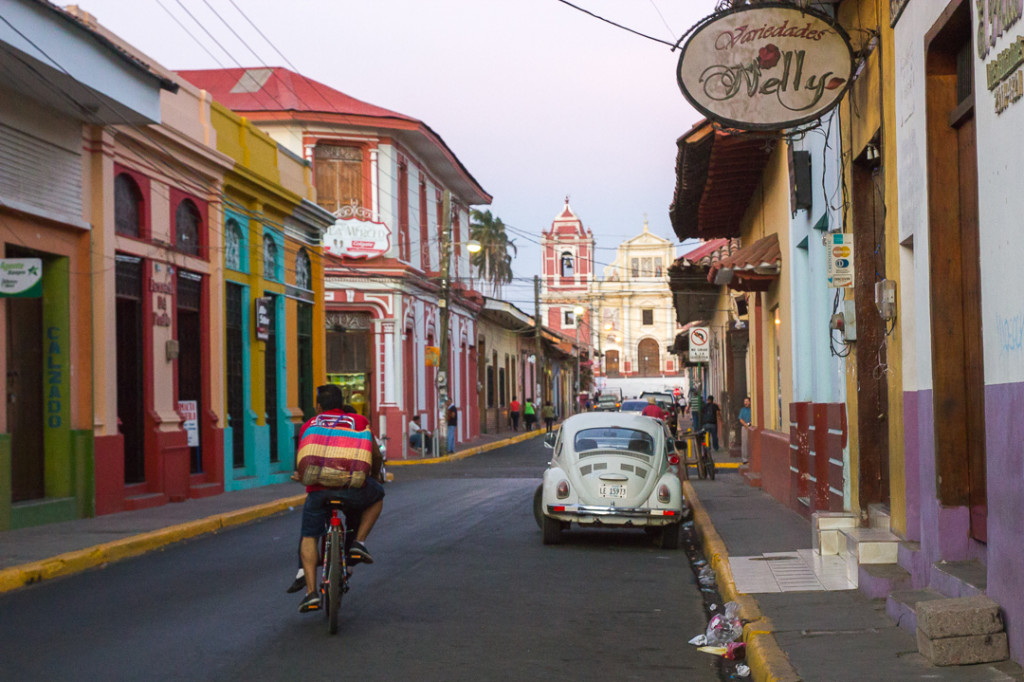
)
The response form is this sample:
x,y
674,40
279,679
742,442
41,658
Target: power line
x,y
617,25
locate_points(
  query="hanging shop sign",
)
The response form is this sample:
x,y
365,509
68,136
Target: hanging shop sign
x,y
21,277
432,356
263,318
355,234
769,66
840,260
700,344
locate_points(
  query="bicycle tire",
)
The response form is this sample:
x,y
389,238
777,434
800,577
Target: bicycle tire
x,y
333,580
702,467
711,465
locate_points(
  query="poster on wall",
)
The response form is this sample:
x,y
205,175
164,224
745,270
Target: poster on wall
x,y
839,269
189,411
21,277
769,66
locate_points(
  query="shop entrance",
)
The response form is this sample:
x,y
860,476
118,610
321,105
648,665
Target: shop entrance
x,y
958,375
349,358
25,395
235,371
130,407
190,359
270,375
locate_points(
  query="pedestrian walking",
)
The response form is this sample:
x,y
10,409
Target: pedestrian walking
x,y
709,418
529,415
548,413
513,413
695,406
452,416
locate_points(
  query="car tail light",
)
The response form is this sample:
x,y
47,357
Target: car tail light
x,y
562,491
663,493
673,458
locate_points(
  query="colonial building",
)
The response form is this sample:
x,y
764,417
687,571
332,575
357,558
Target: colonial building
x,y
401,200
56,195
632,304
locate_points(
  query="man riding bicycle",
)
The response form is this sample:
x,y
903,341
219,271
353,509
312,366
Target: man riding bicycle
x,y
363,502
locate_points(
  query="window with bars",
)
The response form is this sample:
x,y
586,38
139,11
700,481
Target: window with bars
x,y
270,258
234,242
634,267
303,270
128,206
186,227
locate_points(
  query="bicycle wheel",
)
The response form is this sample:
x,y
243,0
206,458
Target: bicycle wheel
x,y
702,467
710,466
334,579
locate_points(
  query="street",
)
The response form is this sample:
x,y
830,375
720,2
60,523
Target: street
x,y
461,588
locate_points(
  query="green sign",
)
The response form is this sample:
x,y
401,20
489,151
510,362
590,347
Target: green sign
x,y
21,278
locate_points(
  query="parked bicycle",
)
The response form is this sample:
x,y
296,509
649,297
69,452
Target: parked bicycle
x,y
697,452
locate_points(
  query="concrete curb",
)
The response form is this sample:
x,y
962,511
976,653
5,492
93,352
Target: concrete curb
x,y
767,660
90,557
468,452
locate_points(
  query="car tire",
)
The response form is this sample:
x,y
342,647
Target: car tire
x,y
669,538
552,531
538,507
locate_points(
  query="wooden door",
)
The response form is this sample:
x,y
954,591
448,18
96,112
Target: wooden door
x,y
25,397
649,358
611,363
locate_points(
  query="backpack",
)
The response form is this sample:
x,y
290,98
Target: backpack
x,y
709,413
333,454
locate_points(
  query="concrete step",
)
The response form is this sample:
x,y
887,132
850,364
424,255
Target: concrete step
x,y
825,527
901,606
879,517
876,581
144,501
959,578
867,546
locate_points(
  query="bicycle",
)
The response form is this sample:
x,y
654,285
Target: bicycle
x,y
335,565
705,460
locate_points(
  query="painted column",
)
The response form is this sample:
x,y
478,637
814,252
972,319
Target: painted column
x,y
374,185
392,353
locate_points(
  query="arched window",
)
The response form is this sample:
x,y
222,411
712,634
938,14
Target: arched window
x,y
128,207
567,264
303,270
269,258
232,244
186,228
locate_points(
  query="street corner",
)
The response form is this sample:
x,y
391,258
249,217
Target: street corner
x,y
767,661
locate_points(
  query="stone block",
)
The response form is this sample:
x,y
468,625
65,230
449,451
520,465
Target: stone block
x,y
963,650
941,618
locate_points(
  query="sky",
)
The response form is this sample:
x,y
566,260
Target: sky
x,y
537,99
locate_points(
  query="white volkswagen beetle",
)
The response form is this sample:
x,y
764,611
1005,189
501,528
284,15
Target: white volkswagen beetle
x,y
615,470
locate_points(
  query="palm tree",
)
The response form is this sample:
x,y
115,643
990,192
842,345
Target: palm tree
x,y
493,262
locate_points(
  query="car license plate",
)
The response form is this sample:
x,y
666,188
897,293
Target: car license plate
x,y
613,491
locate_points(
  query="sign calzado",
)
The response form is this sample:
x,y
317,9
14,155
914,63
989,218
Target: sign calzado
x,y
356,235
700,346
766,67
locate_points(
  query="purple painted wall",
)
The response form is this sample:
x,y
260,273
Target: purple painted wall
x,y
1004,419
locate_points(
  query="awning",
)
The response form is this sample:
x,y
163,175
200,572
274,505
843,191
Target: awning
x,y
716,175
752,268
694,297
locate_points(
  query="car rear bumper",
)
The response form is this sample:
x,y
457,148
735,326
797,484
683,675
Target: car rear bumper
x,y
613,516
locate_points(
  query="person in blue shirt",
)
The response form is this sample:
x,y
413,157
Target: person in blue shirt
x,y
744,418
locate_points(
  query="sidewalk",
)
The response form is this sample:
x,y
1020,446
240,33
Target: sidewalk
x,y
28,555
810,633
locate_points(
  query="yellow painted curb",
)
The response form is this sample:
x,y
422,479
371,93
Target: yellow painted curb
x,y
767,660
82,559
468,452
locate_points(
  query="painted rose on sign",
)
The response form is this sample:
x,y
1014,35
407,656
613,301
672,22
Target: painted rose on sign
x,y
766,67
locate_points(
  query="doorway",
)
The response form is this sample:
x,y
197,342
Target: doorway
x,y
955,273
649,358
25,396
235,340
190,359
130,396
611,364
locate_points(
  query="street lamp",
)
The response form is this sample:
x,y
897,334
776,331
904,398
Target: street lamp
x,y
577,311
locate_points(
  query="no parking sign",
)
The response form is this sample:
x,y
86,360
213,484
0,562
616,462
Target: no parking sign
x,y
700,344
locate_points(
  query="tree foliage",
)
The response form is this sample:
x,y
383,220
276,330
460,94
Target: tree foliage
x,y
493,262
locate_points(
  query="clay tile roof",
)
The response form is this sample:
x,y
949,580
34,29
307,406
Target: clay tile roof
x,y
716,175
710,252
278,89
752,268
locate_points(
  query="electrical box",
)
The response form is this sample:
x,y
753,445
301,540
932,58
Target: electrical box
x,y
885,298
850,320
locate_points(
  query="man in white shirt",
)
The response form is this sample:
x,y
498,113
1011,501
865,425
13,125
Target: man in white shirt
x,y
419,437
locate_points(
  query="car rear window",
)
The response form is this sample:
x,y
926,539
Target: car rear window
x,y
614,438
633,406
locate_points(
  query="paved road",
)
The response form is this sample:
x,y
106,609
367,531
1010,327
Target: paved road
x,y
462,589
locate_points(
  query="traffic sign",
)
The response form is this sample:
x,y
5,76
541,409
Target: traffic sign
x,y
700,338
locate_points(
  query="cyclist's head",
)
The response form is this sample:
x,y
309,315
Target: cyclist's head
x,y
329,397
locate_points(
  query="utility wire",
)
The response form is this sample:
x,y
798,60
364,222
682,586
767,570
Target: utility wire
x,y
617,25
